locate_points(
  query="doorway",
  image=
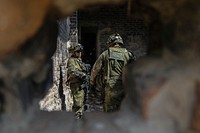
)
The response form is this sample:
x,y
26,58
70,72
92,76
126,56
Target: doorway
x,y
88,40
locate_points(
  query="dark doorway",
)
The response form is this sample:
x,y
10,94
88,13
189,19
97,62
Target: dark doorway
x,y
88,40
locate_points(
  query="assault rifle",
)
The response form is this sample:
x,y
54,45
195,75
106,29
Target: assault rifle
x,y
86,85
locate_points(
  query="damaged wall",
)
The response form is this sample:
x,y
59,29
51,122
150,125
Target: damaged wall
x,y
139,30
109,20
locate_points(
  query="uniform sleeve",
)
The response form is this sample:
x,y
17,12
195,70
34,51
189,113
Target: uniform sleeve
x,y
130,57
73,71
96,68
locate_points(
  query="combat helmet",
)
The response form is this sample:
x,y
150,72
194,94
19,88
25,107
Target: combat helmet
x,y
76,47
114,38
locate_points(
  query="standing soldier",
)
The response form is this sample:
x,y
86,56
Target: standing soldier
x,y
76,76
107,70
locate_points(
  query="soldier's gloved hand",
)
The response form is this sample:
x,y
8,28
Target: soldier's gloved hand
x,y
82,86
91,85
83,77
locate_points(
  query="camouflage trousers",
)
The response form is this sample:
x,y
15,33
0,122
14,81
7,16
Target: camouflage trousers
x,y
114,95
78,99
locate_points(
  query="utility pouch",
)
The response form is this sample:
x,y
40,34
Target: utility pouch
x,y
107,100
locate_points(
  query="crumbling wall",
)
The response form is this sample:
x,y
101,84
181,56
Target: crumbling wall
x,y
59,95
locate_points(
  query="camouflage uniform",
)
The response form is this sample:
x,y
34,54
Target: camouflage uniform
x,y
107,72
76,76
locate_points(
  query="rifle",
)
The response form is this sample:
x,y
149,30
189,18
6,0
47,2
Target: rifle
x,y
86,85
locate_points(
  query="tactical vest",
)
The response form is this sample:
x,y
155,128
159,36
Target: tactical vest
x,y
117,59
79,66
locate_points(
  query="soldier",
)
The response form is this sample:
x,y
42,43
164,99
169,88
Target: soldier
x,y
107,71
76,76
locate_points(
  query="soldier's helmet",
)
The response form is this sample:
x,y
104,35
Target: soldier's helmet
x,y
76,47
114,38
